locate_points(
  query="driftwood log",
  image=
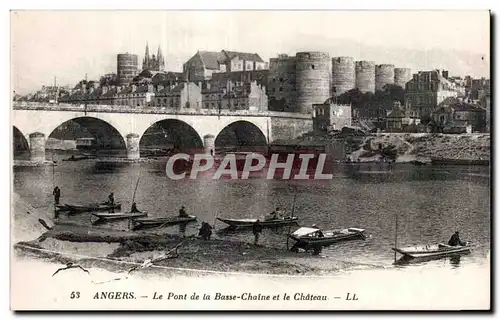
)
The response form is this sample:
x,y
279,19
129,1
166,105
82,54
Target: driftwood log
x,y
170,254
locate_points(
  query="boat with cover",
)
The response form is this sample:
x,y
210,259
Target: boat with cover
x,y
432,251
156,222
119,215
308,238
248,223
92,207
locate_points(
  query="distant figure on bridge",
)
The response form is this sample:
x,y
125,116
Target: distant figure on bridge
x,y
134,208
57,194
183,213
111,198
455,240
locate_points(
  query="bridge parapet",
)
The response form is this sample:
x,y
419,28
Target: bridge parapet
x,y
153,110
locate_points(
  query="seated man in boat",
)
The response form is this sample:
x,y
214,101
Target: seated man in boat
x,y
455,240
272,216
134,208
280,212
318,233
183,213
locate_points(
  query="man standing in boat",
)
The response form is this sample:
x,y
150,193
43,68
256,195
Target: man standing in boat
x,y
57,194
455,240
257,229
183,213
111,198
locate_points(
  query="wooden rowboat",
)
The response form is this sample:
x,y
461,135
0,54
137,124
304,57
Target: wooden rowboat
x,y
307,238
92,207
119,215
156,222
432,251
248,223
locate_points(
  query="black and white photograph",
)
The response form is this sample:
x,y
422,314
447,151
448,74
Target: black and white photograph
x,y
231,160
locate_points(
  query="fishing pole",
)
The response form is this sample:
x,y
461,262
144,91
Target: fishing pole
x,y
291,219
136,184
396,238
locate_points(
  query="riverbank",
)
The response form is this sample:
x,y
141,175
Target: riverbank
x,y
407,147
424,146
111,248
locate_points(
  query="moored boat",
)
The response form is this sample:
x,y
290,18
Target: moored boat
x,y
79,158
460,162
92,207
119,215
309,238
432,251
248,223
156,222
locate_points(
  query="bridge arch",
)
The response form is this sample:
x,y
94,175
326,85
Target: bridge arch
x,y
106,136
170,135
20,144
241,135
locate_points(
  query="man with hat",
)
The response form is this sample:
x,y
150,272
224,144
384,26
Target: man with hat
x,y
455,240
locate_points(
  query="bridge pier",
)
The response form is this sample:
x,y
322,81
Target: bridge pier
x,y
37,147
209,143
133,151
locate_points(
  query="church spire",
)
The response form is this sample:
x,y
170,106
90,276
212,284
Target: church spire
x,y
161,61
146,61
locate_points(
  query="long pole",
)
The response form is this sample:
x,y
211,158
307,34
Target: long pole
x,y
396,238
290,225
136,184
54,182
215,219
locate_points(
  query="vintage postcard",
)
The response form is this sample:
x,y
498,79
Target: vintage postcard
x,y
250,160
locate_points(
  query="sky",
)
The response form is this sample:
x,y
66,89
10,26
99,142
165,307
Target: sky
x,y
69,44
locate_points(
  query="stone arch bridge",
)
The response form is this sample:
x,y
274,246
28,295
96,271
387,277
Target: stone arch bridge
x,y
36,122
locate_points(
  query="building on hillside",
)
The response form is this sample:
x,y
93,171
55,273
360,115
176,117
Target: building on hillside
x,y
456,116
402,119
477,88
234,96
164,78
183,96
204,64
427,89
331,116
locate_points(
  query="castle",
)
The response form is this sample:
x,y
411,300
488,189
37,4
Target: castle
x,y
153,63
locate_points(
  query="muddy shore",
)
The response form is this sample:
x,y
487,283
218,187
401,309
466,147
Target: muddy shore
x,y
118,249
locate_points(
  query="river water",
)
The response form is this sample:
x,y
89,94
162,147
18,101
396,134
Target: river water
x,y
430,203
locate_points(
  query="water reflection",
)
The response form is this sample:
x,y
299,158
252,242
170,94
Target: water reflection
x,y
455,261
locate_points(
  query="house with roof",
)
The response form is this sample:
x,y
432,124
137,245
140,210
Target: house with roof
x,y
401,119
331,116
429,88
183,96
229,95
458,116
204,64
